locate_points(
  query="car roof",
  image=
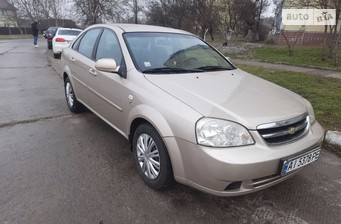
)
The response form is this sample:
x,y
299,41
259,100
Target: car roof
x,y
128,28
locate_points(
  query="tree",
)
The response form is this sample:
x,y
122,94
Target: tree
x,y
36,10
27,9
228,16
98,11
207,14
250,13
171,13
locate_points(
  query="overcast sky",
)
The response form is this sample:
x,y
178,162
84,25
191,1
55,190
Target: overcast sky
x,y
270,10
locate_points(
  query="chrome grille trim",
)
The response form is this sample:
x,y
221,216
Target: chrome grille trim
x,y
284,131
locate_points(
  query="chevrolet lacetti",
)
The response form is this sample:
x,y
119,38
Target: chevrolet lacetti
x,y
188,113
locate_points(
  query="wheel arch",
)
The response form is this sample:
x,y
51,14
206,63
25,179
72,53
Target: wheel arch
x,y
146,114
66,73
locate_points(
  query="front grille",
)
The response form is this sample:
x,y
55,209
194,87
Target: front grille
x,y
284,131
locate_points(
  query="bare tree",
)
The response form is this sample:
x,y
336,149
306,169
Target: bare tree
x,y
27,9
250,12
97,11
201,15
228,16
206,13
171,13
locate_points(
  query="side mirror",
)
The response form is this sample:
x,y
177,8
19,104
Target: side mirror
x,y
106,65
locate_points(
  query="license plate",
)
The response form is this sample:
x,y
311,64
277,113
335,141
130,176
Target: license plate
x,y
299,161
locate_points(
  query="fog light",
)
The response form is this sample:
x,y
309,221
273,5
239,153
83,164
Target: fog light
x,y
233,186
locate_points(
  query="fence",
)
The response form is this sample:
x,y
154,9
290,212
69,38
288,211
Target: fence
x,y
14,30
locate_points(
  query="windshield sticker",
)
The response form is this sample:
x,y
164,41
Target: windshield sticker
x,y
147,64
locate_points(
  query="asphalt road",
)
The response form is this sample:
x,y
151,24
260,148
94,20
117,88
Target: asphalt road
x,y
56,167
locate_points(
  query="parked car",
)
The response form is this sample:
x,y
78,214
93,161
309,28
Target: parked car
x,y
62,39
49,34
187,111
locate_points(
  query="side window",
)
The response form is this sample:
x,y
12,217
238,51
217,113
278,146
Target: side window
x,y
76,43
88,42
108,47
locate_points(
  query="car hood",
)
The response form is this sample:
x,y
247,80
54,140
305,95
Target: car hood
x,y
232,95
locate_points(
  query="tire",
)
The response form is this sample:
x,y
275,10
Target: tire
x,y
151,158
56,56
74,105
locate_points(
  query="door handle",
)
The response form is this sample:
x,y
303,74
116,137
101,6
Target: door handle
x,y
72,59
93,72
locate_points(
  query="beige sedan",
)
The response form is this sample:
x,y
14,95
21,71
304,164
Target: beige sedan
x,y
188,113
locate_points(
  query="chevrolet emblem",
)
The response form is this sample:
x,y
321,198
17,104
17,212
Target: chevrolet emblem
x,y
292,131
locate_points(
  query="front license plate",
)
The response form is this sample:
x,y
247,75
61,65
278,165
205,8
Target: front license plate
x,y
299,161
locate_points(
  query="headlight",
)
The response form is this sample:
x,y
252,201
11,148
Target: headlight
x,y
310,111
222,133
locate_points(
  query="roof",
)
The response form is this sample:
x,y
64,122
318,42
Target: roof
x,y
4,4
126,27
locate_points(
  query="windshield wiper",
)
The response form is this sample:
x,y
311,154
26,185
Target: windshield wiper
x,y
213,68
169,70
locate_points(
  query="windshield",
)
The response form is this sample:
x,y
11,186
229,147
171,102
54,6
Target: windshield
x,y
160,53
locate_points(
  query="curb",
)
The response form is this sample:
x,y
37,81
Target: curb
x,y
333,137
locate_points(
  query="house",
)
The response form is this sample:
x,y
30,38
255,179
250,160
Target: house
x,y
301,35
7,14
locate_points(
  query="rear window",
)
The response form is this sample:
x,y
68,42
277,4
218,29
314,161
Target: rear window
x,y
69,32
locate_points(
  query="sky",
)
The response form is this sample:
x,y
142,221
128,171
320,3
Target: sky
x,y
270,10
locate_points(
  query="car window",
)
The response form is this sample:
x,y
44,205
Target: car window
x,y
69,32
76,43
87,43
54,30
108,47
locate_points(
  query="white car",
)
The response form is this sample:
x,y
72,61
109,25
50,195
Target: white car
x,y
62,39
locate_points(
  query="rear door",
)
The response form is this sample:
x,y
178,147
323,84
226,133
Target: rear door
x,y
81,61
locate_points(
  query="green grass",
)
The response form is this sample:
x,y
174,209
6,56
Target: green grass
x,y
302,56
324,93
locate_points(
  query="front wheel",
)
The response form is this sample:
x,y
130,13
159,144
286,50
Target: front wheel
x,y
72,102
151,158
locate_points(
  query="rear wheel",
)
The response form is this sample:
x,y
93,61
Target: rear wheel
x,y
56,56
72,102
151,158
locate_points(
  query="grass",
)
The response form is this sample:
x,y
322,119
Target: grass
x,y
323,93
302,56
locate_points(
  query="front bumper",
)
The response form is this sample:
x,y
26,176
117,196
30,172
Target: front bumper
x,y
239,170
